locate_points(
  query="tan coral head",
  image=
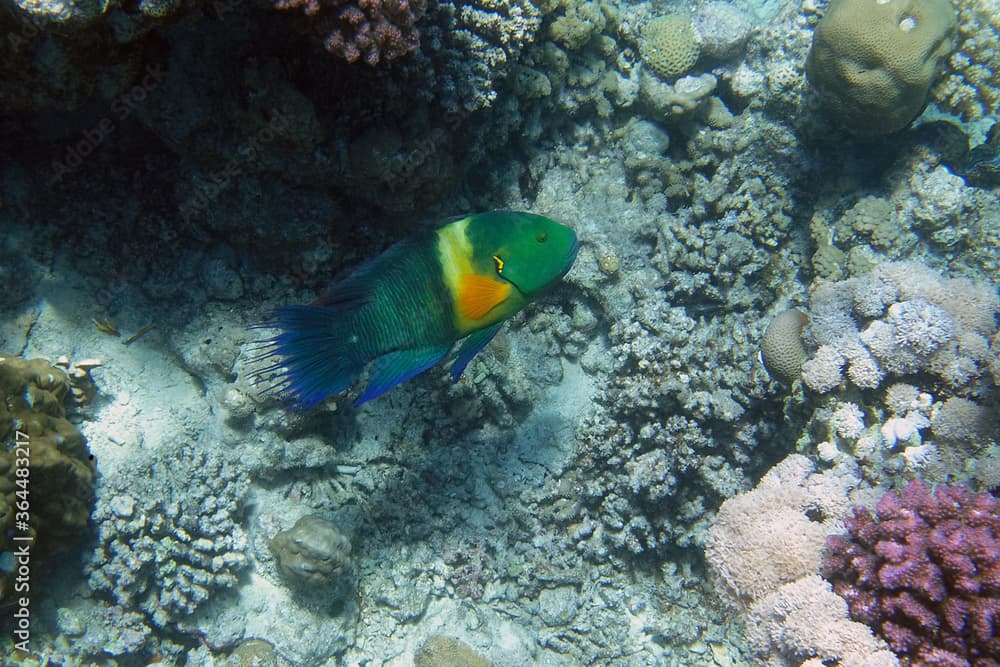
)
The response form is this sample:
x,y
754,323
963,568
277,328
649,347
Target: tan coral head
x,y
782,348
873,61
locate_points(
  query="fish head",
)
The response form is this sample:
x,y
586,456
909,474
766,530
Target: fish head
x,y
529,251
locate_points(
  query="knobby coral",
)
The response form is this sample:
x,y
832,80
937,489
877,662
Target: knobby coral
x,y
44,460
369,30
924,572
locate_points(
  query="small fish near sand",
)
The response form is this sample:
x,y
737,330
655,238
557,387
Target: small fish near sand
x,y
403,310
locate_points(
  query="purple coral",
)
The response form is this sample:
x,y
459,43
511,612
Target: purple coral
x,y
369,30
924,572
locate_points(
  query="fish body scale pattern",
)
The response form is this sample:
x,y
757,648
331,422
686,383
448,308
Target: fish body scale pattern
x,y
410,305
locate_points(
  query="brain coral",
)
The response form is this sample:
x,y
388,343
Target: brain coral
x,y
782,348
873,62
668,45
313,552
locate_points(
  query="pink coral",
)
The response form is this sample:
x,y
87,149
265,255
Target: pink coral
x,y
369,30
924,572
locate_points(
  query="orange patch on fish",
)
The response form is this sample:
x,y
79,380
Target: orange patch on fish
x,y
479,295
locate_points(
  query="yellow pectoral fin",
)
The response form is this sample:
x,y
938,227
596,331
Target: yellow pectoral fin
x,y
478,295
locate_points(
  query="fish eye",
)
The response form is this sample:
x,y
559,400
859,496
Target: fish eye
x,y
542,237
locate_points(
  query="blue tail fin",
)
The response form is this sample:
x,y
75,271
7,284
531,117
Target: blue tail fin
x,y
309,354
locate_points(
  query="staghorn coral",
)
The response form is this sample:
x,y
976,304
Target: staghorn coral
x,y
924,572
168,535
373,31
873,63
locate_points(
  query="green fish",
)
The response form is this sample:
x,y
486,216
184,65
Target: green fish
x,y
403,311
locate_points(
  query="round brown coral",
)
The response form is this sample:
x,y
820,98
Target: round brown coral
x,y
781,347
873,62
668,45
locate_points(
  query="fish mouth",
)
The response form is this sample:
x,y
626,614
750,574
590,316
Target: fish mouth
x,y
573,250
571,256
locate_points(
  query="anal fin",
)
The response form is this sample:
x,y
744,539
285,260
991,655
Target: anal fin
x,y
471,347
396,367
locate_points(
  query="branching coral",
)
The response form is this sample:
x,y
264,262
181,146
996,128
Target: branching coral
x,y
902,318
971,87
168,536
368,30
653,446
924,572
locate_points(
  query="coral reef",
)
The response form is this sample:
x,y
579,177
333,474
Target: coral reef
x,y
924,572
168,536
495,31
764,548
106,630
372,31
47,475
919,208
58,55
895,350
550,507
873,63
656,428
580,22
722,29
